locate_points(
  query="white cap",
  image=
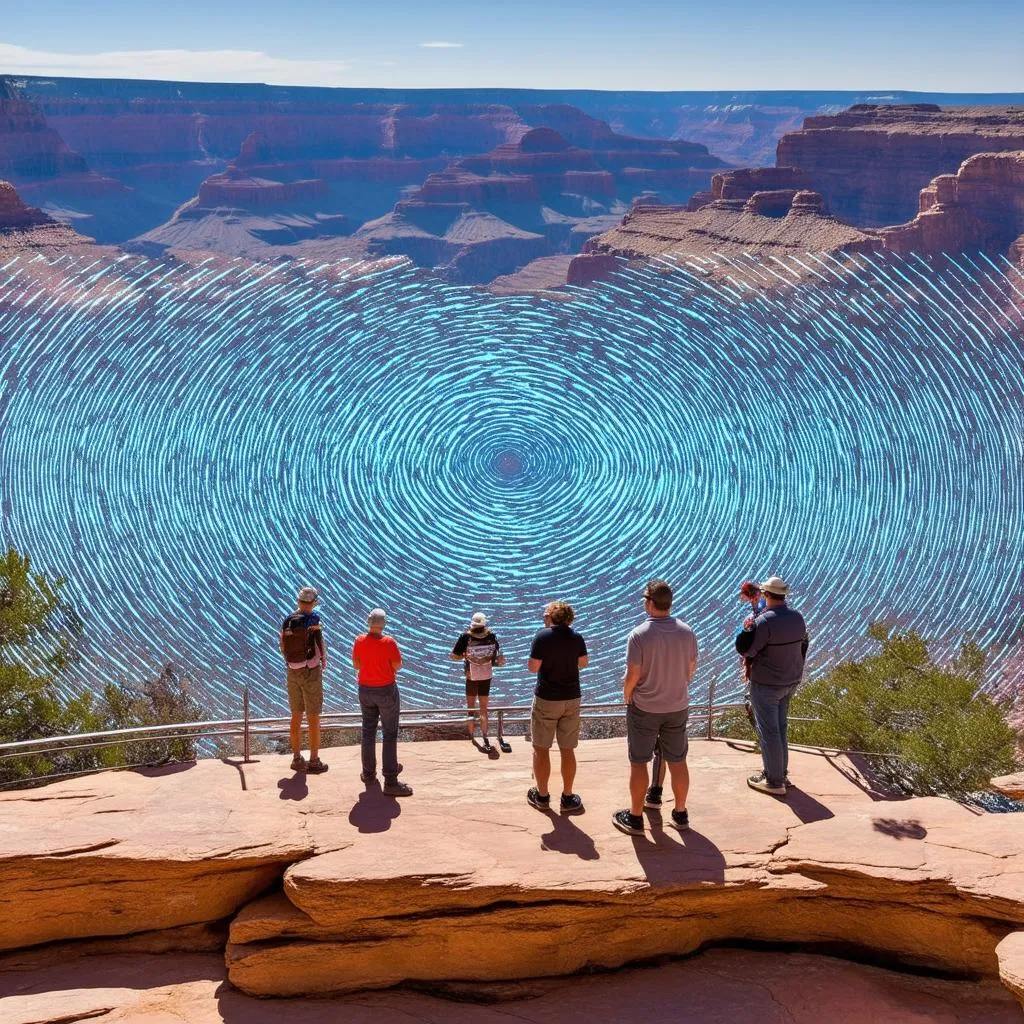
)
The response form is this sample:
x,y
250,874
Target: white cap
x,y
377,615
776,586
308,595
479,621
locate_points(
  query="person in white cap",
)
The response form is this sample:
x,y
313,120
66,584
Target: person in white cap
x,y
377,659
305,653
777,649
478,649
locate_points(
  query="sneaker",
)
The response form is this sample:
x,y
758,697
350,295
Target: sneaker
x,y
653,798
570,804
485,745
367,777
760,783
632,825
681,820
787,783
316,766
396,788
534,799
298,763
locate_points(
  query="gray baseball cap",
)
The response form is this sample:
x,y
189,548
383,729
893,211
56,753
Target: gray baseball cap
x,y
377,615
308,595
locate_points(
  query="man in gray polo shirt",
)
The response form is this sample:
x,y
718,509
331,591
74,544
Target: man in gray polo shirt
x,y
661,659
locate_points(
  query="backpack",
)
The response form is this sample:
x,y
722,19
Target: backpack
x,y
297,638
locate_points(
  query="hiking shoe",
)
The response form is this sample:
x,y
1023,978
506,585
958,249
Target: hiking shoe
x,y
760,783
396,788
570,804
485,745
315,767
681,820
653,798
787,783
534,799
631,824
298,763
367,777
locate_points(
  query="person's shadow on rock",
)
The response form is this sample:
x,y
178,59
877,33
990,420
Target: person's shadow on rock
x,y
806,807
373,811
680,857
565,837
294,787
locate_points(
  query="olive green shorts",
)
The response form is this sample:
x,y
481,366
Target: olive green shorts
x,y
306,690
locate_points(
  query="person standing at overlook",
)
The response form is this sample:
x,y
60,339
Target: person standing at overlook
x,y
777,648
305,653
557,655
377,659
661,660
478,649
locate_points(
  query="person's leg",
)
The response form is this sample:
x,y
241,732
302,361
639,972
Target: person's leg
x,y
314,736
568,758
567,729
484,701
295,733
390,706
296,705
784,729
639,779
680,783
675,746
470,705
765,702
371,715
542,769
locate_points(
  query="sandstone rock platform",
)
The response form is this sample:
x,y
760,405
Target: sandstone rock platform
x,y
334,887
721,986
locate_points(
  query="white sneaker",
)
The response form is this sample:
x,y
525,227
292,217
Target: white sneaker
x,y
760,783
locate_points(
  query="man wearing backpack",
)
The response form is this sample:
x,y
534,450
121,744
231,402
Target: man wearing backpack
x,y
302,644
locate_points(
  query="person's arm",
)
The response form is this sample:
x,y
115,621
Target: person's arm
x,y
536,655
758,639
499,658
355,659
583,660
804,644
533,664
459,650
396,659
630,683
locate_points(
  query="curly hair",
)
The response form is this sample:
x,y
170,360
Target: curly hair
x,y
561,613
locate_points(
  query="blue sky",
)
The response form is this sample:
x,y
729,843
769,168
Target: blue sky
x,y
792,44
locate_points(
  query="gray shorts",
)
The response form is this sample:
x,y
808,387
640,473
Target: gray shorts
x,y
645,728
555,718
306,690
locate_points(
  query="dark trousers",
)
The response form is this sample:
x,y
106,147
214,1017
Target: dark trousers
x,y
771,711
380,704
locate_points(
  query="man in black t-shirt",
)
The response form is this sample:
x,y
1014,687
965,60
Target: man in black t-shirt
x,y
479,650
557,655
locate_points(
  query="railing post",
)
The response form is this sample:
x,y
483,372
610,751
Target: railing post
x,y
711,708
245,725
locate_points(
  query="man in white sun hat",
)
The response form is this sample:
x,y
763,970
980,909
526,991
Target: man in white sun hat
x,y
776,647
479,650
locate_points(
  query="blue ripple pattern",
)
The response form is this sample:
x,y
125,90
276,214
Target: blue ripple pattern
x,y
188,443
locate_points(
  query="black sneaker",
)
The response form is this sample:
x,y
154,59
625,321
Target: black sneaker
x,y
681,820
298,763
653,798
396,788
534,799
570,804
485,745
315,766
367,777
631,824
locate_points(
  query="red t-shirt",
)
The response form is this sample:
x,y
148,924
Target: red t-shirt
x,y
375,653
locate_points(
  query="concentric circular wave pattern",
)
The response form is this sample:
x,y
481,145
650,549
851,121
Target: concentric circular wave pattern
x,y
190,443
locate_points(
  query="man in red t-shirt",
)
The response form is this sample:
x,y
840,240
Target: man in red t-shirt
x,y
376,659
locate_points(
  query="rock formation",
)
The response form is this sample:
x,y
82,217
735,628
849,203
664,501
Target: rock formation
x,y
979,207
1010,785
871,162
25,227
780,222
435,890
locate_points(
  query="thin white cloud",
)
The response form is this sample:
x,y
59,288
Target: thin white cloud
x,y
174,65
443,46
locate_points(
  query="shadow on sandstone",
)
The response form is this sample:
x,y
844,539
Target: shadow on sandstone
x,y
900,829
294,787
806,807
373,811
680,857
566,837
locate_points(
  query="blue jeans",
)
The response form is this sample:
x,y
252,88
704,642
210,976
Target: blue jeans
x,y
380,703
771,708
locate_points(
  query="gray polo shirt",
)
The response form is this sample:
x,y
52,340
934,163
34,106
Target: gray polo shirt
x,y
666,651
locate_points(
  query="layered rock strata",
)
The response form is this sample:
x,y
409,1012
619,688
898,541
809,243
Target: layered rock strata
x,y
871,161
25,227
465,883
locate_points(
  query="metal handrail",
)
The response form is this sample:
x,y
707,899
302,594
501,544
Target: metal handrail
x,y
247,726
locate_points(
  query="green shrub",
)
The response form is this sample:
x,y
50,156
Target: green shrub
x,y
941,734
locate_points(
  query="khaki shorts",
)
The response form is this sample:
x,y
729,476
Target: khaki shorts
x,y
553,718
306,690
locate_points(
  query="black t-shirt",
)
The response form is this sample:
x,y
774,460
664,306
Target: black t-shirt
x,y
558,648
